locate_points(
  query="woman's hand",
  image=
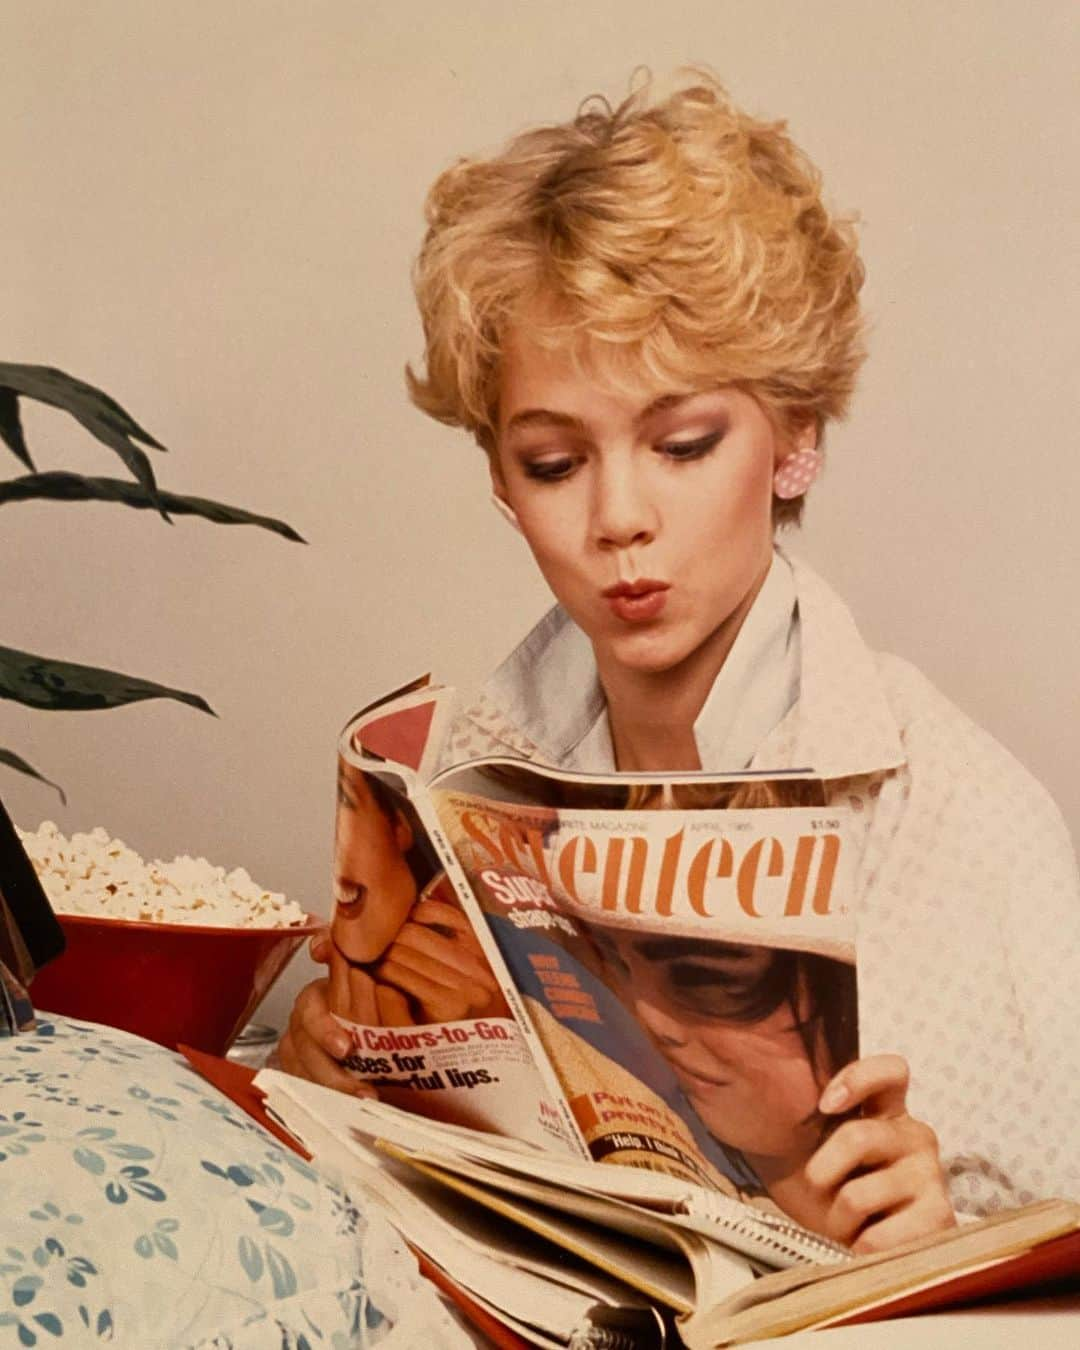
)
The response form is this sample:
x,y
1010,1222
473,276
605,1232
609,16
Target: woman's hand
x,y
437,961
313,1041
878,1174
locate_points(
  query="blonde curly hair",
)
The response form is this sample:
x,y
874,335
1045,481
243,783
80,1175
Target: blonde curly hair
x,y
681,232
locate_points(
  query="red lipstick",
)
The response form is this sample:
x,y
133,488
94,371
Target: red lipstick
x,y
637,601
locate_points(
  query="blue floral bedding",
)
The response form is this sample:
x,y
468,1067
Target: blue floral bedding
x,y
141,1208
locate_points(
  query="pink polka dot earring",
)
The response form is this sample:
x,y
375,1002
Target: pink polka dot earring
x,y
796,472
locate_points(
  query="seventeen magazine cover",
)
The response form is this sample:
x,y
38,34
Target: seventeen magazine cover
x,y
655,971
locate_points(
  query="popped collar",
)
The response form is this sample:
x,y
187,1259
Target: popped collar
x,y
549,690
797,659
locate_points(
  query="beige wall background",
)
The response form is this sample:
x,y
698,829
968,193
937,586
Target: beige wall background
x,y
210,210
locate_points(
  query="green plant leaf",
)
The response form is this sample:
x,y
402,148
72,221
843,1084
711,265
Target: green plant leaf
x,y
40,682
11,432
101,415
59,486
82,400
14,761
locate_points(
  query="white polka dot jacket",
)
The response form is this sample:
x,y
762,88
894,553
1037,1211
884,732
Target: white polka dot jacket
x,y
968,900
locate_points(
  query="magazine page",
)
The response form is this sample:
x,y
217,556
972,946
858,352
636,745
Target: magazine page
x,y
685,948
405,728
410,979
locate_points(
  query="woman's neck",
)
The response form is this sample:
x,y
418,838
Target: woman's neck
x,y
652,713
652,723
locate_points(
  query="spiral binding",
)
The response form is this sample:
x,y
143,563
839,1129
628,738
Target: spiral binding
x,y
766,1235
612,1327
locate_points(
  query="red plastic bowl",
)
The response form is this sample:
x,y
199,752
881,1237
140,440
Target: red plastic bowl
x,y
169,982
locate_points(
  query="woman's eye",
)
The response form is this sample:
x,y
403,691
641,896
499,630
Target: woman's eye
x,y
709,991
695,449
686,977
549,470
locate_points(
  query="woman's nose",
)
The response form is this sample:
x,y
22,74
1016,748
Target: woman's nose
x,y
664,1028
623,510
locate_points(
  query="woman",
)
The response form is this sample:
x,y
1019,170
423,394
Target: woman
x,y
646,318
753,1034
401,952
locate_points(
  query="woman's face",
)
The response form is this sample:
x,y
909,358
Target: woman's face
x,y
751,1082
649,513
374,888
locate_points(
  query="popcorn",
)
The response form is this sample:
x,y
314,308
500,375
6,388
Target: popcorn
x,y
96,875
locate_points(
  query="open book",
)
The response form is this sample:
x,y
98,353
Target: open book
x,y
564,1252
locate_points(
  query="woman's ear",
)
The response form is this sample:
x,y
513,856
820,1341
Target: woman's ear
x,y
796,472
798,468
498,494
506,511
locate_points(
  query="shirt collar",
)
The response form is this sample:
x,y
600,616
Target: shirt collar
x,y
756,686
799,689
548,687
842,724
759,680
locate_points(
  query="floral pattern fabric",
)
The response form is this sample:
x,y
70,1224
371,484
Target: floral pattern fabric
x,y
141,1208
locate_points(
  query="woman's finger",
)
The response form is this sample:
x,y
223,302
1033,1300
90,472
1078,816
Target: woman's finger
x,y
312,1040
441,914
338,991
311,1019
854,1145
394,1010
443,951
926,1215
877,1083
310,1061
320,946
363,1005
873,1196
439,1002
433,968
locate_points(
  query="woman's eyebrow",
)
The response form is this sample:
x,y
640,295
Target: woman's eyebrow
x,y
544,417
549,417
676,949
663,404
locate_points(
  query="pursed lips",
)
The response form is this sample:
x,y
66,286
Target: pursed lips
x,y
640,586
637,601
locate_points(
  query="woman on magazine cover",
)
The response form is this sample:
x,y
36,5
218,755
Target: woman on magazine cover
x,y
647,317
401,951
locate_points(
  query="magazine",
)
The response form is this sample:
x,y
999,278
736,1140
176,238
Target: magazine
x,y
656,970
566,1253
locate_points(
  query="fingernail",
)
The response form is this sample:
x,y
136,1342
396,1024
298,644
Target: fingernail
x,y
339,1046
835,1097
